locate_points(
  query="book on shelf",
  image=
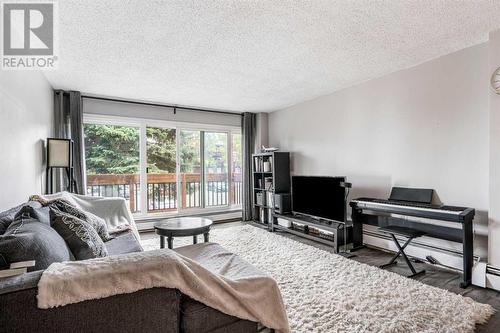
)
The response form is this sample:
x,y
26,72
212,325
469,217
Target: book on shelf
x,y
269,199
269,216
262,215
259,198
267,166
268,183
265,215
258,164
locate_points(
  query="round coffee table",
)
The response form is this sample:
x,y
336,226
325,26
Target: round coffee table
x,y
182,226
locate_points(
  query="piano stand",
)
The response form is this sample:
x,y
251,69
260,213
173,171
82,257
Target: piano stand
x,y
406,232
382,213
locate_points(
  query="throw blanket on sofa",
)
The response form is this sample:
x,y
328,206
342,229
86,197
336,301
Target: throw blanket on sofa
x,y
206,272
114,211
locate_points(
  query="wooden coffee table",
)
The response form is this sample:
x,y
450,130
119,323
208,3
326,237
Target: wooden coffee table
x,y
181,227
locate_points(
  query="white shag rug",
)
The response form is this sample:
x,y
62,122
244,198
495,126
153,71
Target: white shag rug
x,y
324,292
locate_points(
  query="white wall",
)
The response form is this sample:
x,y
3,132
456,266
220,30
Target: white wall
x,y
494,215
427,126
26,120
261,131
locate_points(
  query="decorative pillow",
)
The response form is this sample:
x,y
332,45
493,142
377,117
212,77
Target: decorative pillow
x,y
8,216
64,206
81,237
38,213
26,238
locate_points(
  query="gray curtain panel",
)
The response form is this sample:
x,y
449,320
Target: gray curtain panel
x,y
248,126
68,118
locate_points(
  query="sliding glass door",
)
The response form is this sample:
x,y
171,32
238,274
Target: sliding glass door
x,y
190,169
216,168
112,159
161,146
236,190
177,169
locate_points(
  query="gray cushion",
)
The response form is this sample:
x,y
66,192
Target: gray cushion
x,y
28,239
39,213
95,221
8,216
80,236
124,242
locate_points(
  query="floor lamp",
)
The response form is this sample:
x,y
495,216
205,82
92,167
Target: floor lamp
x,y
59,156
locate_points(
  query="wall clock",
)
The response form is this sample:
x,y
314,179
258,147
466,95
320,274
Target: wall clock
x,y
495,81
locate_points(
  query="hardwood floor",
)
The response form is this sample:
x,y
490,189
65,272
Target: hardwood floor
x,y
435,276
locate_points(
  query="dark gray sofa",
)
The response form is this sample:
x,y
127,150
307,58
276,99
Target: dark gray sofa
x,y
150,310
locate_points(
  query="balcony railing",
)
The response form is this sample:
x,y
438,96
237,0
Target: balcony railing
x,y
162,190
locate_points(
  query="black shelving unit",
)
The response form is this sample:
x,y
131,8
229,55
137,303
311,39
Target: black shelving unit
x,y
271,174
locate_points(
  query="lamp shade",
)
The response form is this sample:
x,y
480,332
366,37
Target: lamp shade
x,y
58,153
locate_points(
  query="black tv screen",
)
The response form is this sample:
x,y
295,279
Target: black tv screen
x,y
318,196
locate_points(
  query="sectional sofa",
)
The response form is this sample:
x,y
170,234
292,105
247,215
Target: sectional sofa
x,y
150,310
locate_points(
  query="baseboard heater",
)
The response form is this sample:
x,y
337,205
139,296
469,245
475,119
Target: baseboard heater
x,y
147,224
492,270
492,278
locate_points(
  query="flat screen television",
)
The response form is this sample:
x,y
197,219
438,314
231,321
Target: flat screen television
x,y
320,197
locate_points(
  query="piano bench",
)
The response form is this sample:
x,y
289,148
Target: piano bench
x,y
410,234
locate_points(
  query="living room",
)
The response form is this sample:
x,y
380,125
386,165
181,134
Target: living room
x,y
250,166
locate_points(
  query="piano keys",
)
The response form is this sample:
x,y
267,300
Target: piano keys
x,y
435,212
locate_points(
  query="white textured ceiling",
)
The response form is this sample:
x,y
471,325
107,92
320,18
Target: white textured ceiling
x,y
254,55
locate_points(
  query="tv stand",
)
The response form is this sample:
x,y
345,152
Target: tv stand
x,y
333,228
313,219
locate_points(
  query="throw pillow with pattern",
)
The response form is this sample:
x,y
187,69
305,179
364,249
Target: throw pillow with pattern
x,y
80,236
65,206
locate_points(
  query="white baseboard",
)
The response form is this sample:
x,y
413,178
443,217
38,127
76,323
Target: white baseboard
x,y
492,277
447,257
149,224
479,274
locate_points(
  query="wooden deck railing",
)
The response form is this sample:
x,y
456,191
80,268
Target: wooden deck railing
x,y
162,190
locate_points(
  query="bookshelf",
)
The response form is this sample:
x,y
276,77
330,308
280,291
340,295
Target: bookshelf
x,y
271,174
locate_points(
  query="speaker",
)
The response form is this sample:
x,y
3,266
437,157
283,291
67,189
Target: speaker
x,y
282,203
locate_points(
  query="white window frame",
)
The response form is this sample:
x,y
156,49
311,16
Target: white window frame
x,y
142,124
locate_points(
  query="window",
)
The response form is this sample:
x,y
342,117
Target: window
x,y
112,161
236,169
190,168
161,169
179,168
216,169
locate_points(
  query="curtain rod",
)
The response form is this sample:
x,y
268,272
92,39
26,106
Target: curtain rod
x,y
175,107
